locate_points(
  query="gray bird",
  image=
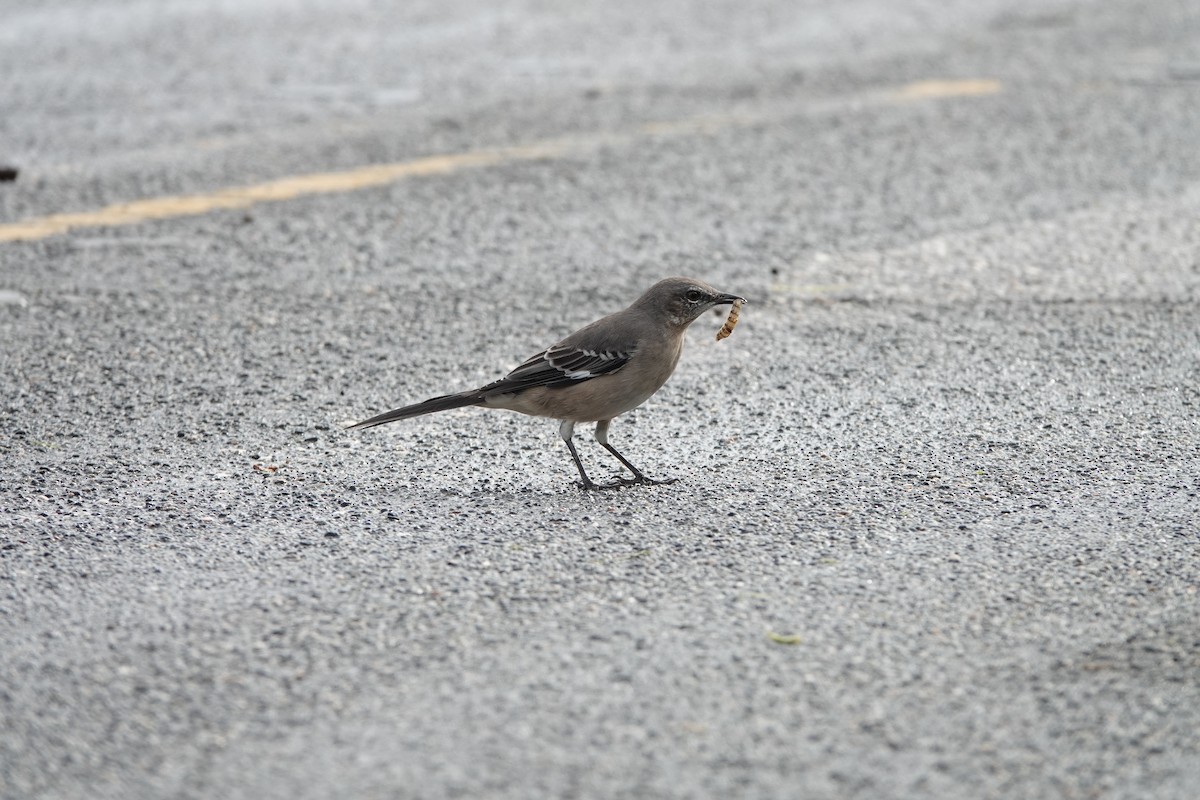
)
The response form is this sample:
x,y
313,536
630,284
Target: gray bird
x,y
595,374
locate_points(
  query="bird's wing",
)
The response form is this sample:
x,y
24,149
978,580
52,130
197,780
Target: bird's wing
x,y
561,365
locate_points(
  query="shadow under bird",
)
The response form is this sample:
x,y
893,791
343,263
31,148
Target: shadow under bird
x,y
597,373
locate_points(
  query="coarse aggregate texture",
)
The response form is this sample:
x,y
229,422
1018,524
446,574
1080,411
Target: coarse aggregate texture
x,y
936,532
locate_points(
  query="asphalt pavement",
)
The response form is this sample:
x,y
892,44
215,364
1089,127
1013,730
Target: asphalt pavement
x,y
936,531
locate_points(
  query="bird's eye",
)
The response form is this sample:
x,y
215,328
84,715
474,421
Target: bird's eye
x,y
693,296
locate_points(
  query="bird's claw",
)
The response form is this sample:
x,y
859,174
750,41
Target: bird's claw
x,y
621,483
591,486
659,481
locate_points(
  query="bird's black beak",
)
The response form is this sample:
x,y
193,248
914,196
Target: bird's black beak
x,y
725,299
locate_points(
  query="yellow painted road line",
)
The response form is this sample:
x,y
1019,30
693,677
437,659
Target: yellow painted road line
x,y
931,90
382,174
273,191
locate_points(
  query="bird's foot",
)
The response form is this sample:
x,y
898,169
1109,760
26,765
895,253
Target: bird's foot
x,y
590,486
621,483
648,481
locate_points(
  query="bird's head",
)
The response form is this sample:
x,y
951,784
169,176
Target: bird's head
x,y
681,301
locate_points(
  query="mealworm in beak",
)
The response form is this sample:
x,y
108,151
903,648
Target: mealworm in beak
x,y
734,309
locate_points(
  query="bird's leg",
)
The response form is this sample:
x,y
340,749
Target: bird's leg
x,y
566,430
638,476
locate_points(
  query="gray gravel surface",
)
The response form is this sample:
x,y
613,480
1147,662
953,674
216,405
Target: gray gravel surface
x,y
937,531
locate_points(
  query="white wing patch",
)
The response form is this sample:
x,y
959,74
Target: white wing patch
x,y
581,364
559,366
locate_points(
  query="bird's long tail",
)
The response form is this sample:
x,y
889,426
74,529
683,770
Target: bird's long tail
x,y
443,403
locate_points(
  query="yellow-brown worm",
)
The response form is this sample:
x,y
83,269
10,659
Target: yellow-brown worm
x,y
730,321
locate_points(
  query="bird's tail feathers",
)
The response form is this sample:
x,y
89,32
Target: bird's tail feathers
x,y
434,404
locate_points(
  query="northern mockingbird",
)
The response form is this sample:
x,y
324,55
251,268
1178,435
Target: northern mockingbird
x,y
595,374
